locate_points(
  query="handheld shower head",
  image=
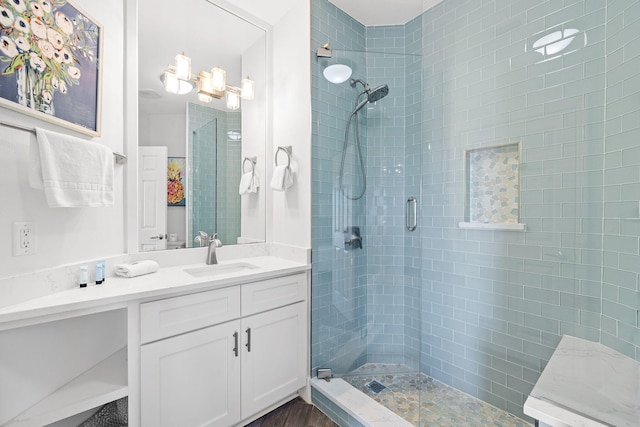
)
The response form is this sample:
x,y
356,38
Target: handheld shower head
x,y
378,93
372,95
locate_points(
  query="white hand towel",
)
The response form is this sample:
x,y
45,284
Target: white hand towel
x,y
255,183
245,183
136,268
73,172
282,178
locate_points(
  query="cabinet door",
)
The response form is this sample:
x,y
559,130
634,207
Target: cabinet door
x,y
192,379
274,356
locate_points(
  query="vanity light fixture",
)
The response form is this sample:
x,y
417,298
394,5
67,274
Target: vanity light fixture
x,y
233,100
178,79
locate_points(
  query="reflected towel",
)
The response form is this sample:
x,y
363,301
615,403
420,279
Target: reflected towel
x,y
245,183
282,178
136,268
255,183
73,172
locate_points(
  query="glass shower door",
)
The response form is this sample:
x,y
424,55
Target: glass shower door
x,y
366,296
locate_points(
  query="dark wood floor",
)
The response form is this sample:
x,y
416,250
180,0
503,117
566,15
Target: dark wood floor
x,y
296,413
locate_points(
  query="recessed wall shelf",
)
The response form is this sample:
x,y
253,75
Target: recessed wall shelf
x,y
492,198
103,383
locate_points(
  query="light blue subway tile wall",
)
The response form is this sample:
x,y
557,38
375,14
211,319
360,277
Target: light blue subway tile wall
x,y
414,97
386,172
339,276
212,203
201,203
487,308
229,178
621,288
495,303
374,284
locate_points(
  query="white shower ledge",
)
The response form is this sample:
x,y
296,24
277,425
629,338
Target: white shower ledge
x,y
586,384
116,292
358,405
492,226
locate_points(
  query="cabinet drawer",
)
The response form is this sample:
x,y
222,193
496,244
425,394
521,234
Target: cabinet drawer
x,y
269,294
173,316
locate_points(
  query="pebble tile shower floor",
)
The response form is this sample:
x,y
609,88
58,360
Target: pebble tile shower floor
x,y
426,402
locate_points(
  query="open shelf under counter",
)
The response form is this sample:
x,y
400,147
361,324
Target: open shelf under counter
x,y
101,384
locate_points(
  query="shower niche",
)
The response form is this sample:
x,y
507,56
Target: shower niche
x,y
492,196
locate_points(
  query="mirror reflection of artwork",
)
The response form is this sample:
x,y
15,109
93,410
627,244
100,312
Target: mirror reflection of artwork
x,y
50,63
493,184
176,188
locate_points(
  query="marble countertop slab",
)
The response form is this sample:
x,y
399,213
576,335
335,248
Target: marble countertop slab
x,y
166,281
587,384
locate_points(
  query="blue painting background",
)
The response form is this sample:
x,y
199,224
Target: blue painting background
x,y
80,104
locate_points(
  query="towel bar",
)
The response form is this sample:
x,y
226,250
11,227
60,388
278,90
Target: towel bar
x,y
119,158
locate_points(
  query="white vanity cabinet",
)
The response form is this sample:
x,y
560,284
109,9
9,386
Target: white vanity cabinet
x,y
192,379
217,357
274,363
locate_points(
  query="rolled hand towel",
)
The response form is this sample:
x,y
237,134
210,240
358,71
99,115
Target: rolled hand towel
x,y
136,268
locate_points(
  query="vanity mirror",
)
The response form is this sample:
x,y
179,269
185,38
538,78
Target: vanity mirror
x,y
198,144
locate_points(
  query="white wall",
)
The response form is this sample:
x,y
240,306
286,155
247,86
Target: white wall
x,y
254,130
289,213
73,235
66,235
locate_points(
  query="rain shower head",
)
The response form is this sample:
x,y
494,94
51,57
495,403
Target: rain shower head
x,y
378,93
373,95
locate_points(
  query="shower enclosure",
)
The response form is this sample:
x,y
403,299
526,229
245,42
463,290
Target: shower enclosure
x,y
501,203
367,164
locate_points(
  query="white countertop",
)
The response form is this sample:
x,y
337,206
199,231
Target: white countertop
x,y
165,281
587,384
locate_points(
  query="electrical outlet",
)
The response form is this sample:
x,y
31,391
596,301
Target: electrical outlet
x,y
24,238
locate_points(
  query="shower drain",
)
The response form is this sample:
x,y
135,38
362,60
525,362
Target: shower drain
x,y
375,386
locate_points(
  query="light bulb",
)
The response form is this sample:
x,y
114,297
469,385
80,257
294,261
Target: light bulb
x,y
171,82
247,88
233,101
183,67
219,77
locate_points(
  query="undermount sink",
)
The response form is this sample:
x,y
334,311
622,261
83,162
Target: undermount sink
x,y
217,269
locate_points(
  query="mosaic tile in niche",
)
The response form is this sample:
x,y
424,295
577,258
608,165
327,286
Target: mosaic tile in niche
x,y
493,184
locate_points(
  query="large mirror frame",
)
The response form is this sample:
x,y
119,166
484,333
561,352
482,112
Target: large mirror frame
x,y
256,211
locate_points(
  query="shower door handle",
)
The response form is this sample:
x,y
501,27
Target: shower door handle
x,y
412,207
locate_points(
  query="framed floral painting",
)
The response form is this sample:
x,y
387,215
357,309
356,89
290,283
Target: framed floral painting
x,y
176,189
50,65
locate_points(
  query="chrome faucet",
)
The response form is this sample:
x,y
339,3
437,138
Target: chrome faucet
x,y
202,239
213,244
